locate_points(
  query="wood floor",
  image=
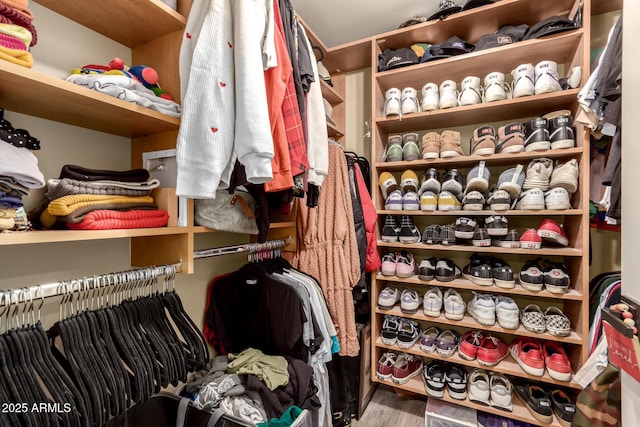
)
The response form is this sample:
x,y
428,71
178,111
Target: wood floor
x,y
387,409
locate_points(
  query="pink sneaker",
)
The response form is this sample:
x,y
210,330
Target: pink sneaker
x,y
552,232
530,239
389,262
406,265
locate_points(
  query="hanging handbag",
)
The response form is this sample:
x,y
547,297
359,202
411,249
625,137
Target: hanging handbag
x,y
235,213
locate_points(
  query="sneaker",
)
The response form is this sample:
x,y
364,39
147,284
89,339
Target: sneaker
x,y
456,379
428,339
469,345
492,350
410,301
454,305
556,278
410,201
511,181
434,378
409,181
406,266
390,230
557,323
479,390
478,271
495,87
408,333
481,238
393,152
531,275
561,132
430,97
473,201
483,141
523,80
531,200
563,407
388,184
427,269
394,201
432,302
510,138
533,319
450,144
511,240
389,262
566,176
556,361
483,309
557,198
384,367
452,182
392,102
447,235
465,227
390,326
530,239
497,225
448,201
507,312
430,181
388,298
501,392
536,400
431,235
538,174
471,93
431,145
546,80
552,232
499,200
478,178
428,201
447,343
447,270
528,353
502,274
448,94
410,102
409,233
406,367
410,149
537,135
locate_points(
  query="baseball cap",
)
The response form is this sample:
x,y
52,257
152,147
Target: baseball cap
x,y
445,8
471,4
551,25
390,59
493,40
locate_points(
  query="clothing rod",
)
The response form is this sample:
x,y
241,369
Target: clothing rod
x,y
247,247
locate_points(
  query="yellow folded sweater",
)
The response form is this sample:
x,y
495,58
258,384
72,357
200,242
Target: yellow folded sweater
x,y
66,205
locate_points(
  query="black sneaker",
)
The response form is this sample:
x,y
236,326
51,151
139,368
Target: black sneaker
x,y
556,277
465,227
536,400
447,270
452,182
532,275
433,376
510,240
447,235
390,230
561,133
341,419
499,200
481,238
408,233
430,181
427,269
497,225
456,379
390,327
473,201
408,332
536,135
563,406
431,235
502,274
478,271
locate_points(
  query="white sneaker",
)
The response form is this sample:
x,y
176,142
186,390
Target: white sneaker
x,y
388,298
410,201
531,200
573,81
523,80
507,312
430,97
392,102
557,198
410,103
538,174
448,94
501,392
454,305
471,92
483,309
566,176
432,302
410,301
428,201
394,201
546,77
495,89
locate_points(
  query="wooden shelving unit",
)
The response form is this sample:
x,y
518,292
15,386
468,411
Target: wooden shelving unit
x,y
544,213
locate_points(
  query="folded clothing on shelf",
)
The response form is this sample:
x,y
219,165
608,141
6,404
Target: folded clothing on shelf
x,y
85,174
21,165
112,220
64,187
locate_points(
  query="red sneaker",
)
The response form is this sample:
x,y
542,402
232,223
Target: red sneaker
x,y
552,232
557,362
530,239
469,345
406,367
528,354
492,350
384,367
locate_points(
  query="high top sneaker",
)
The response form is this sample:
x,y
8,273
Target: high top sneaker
x,y
410,148
537,135
450,144
410,103
393,152
390,230
523,80
430,181
483,142
392,102
471,92
546,77
448,94
561,132
431,145
495,89
510,138
409,233
538,174
430,97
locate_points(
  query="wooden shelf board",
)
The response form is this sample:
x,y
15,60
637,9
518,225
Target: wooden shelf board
x,y
489,249
34,93
57,236
507,109
520,412
559,48
461,283
544,212
499,159
330,93
469,323
131,23
349,56
334,132
199,229
599,7
507,366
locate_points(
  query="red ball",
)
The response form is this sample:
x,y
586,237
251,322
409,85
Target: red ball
x,y
627,314
635,331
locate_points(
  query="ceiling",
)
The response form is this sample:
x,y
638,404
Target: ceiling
x,y
341,21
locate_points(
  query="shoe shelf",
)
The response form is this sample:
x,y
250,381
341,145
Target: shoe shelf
x,y
486,249
508,109
330,94
500,159
469,323
570,295
520,412
506,366
56,236
543,212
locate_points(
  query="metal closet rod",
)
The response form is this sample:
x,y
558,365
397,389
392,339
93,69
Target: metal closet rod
x,y
247,247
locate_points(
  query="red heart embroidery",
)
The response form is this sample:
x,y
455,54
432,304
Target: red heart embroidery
x,y
214,130
230,45
188,35
222,84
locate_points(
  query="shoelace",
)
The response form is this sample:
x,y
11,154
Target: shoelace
x,y
407,222
388,359
494,340
477,336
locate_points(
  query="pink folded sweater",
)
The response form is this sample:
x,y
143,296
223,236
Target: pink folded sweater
x,y
112,220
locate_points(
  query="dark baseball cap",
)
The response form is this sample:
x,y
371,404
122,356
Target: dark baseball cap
x,y
493,40
471,4
390,59
445,8
516,32
456,46
551,25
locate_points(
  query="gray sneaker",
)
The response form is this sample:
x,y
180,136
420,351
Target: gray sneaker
x,y
481,238
497,225
473,201
478,178
447,235
512,181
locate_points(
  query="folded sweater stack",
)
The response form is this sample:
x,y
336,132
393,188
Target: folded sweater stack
x,y
90,199
17,33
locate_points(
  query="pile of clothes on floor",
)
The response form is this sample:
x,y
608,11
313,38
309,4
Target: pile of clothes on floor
x,y
90,199
17,33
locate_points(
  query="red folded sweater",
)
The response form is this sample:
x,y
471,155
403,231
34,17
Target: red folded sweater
x,y
111,220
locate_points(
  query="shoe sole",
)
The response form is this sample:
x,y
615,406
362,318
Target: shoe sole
x,y
407,345
405,276
430,156
545,419
530,245
464,234
409,311
554,237
393,159
409,239
485,321
383,377
530,207
457,395
449,208
431,314
505,284
411,207
388,273
445,278
512,149
531,287
508,324
454,316
478,281
473,207
428,207
500,207
481,243
536,372
538,146
558,206
485,363
427,349
426,278
449,154
560,376
384,307
397,207
411,157
497,232
556,289
563,143
484,152
432,393
509,244
534,329
558,332
407,378
387,239
387,341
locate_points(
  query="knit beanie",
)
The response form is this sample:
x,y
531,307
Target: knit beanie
x,y
9,15
17,56
21,6
17,31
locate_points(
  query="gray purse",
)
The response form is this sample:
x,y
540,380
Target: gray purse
x,y
235,213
